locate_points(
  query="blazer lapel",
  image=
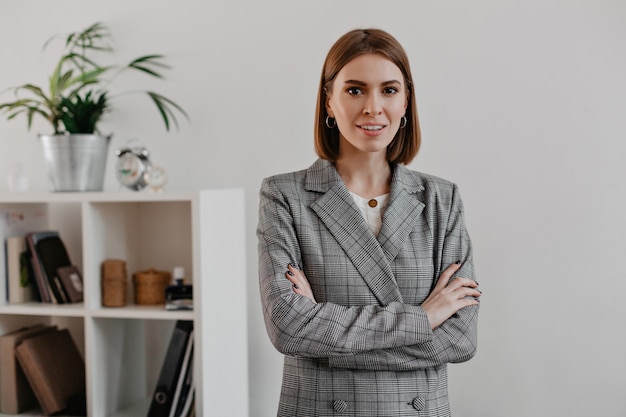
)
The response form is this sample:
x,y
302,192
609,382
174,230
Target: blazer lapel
x,y
336,209
402,214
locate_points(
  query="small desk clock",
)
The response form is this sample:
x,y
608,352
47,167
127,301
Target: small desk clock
x,y
156,178
131,167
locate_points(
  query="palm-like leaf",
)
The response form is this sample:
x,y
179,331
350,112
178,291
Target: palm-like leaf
x,y
65,105
166,107
144,63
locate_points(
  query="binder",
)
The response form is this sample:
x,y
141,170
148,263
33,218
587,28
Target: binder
x,y
184,384
187,394
189,408
16,395
165,390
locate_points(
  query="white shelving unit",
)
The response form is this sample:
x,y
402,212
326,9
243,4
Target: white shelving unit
x,y
124,348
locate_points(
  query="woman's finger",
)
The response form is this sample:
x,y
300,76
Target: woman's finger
x,y
299,283
296,280
460,282
445,276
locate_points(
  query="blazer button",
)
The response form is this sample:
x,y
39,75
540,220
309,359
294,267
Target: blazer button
x,y
340,406
419,403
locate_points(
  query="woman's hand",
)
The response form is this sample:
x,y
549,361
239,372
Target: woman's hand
x,y
449,297
300,285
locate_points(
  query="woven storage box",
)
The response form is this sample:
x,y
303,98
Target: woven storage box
x,y
114,282
150,286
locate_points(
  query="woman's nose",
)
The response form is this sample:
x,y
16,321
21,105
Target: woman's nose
x,y
372,105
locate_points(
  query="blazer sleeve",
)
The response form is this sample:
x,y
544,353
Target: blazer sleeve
x,y
456,339
297,326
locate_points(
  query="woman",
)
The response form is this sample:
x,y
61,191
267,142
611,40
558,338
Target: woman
x,y
365,267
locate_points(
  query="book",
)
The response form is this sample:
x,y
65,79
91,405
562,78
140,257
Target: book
x,y
54,369
48,254
19,288
41,282
16,395
162,400
72,283
26,267
17,220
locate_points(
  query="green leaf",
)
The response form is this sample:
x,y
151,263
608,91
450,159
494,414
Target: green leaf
x,y
77,94
144,64
81,114
148,71
165,107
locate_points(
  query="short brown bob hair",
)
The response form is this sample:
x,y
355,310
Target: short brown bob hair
x,y
357,42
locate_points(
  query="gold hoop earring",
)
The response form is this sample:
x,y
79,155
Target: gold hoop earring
x,y
328,122
403,122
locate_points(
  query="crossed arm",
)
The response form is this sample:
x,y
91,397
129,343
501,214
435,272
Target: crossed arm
x,y
453,337
446,298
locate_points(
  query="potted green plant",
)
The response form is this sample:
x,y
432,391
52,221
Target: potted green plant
x,y
74,101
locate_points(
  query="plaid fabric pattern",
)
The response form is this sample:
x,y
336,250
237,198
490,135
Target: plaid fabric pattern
x,y
366,348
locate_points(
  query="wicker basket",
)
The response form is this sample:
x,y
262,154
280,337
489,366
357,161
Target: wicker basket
x,y
113,279
150,286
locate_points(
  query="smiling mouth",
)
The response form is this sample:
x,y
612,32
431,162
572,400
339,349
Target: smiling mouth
x,y
372,128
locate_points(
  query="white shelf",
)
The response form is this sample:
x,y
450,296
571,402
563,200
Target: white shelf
x,y
121,196
124,347
143,313
42,309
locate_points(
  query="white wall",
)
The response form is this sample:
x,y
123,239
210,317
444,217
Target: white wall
x,y
522,103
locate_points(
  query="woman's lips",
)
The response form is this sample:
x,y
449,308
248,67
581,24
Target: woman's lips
x,y
372,129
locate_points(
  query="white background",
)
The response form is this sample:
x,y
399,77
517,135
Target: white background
x,y
522,103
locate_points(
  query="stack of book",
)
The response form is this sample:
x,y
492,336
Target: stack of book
x,y
38,267
174,393
41,365
15,222
57,280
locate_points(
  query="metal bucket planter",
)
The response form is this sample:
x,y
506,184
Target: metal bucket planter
x,y
75,162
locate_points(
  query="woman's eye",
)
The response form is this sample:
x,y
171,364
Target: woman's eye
x,y
390,90
355,91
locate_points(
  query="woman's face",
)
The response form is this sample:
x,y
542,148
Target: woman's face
x,y
368,99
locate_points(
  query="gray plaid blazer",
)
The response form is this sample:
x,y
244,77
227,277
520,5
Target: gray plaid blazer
x,y
366,348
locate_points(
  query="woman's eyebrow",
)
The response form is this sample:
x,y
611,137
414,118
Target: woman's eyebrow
x,y
363,84
355,82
